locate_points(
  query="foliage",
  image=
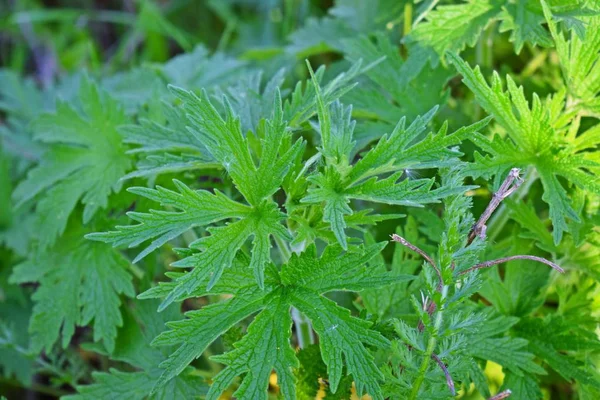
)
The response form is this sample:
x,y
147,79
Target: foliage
x,y
261,199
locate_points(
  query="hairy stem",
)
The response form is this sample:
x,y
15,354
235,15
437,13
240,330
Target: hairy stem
x,y
404,242
488,264
431,343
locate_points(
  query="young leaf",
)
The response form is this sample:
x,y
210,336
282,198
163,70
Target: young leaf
x,y
402,150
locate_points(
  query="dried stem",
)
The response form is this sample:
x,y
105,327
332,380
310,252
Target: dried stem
x,y
508,187
488,264
502,395
401,240
449,380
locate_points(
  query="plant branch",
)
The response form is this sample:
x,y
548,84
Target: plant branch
x,y
429,307
488,264
449,380
508,187
401,240
502,395
500,217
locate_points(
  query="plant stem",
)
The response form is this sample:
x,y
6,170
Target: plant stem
x,y
444,369
304,331
283,249
432,342
509,186
423,369
408,14
491,263
502,395
500,218
427,257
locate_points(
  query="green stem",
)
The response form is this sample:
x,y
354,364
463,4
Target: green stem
x,y
500,217
423,369
283,249
304,330
431,343
408,15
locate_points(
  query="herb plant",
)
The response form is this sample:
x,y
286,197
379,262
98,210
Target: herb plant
x,y
317,203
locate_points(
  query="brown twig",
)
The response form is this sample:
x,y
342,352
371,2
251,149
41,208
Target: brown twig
x,y
401,240
449,380
508,187
488,264
430,307
502,395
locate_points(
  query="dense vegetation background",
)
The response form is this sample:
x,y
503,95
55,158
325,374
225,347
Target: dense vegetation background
x,y
263,195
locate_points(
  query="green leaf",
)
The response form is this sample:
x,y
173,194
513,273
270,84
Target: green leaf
x,y
167,144
79,282
522,387
224,140
578,60
331,272
393,91
220,248
133,347
15,359
510,352
400,152
197,69
85,161
198,208
341,334
534,138
448,28
202,327
525,25
265,347
545,347
261,220
300,284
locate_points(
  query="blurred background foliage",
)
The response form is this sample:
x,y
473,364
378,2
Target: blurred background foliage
x,y
135,47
